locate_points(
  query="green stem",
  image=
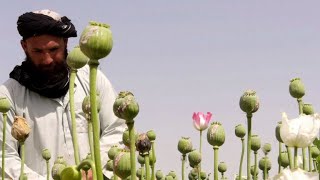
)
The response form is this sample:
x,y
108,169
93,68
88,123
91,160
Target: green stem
x,y
153,157
200,149
147,163
300,103
48,170
115,177
295,157
280,150
90,137
241,160
3,142
22,153
182,168
304,157
73,117
249,116
290,157
130,125
255,165
215,159
93,64
265,171
88,162
310,158
314,164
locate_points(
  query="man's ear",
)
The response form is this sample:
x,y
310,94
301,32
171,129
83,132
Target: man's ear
x,y
65,40
23,45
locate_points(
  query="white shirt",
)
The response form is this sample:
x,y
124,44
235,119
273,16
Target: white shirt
x,y
50,123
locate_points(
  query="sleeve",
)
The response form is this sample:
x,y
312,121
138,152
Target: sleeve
x,y
12,161
111,126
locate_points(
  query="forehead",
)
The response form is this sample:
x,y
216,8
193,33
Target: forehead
x,y
44,41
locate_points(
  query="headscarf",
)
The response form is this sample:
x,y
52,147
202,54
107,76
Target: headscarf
x,y
45,22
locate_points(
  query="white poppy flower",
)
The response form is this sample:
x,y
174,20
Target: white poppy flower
x,y
299,132
296,174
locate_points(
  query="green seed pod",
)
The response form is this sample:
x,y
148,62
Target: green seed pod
x,y
86,108
266,148
191,177
60,160
121,165
87,167
70,173
185,145
56,170
152,159
194,172
283,159
143,144
151,135
255,143
76,59
203,175
4,105
109,165
249,102
159,175
265,162
252,171
126,137
307,109
215,134
194,158
296,88
278,132
139,173
168,177
172,174
96,40
125,106
113,151
141,159
240,131
222,167
46,154
314,151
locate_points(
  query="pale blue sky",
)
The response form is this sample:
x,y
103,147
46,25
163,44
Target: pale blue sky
x,y
180,57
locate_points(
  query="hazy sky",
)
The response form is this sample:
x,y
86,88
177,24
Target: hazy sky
x,y
180,57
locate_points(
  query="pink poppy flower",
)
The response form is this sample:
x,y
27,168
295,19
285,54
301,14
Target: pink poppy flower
x,y
201,121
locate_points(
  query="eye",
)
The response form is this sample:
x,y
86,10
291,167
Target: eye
x,y
37,51
54,49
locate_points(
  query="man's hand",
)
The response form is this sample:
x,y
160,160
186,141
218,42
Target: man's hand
x,y
87,176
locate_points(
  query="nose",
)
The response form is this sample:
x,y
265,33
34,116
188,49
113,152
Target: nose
x,y
47,59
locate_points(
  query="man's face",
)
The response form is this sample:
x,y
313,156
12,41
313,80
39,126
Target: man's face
x,y
47,52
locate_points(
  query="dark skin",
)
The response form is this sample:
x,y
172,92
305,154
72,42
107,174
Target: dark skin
x,y
46,53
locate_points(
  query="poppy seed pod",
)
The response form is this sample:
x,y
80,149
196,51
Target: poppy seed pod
x,y
216,134
139,173
70,173
222,167
283,159
60,160
151,135
252,171
4,105
126,137
203,175
159,175
96,40
86,108
240,131
264,162
194,158
125,106
86,167
307,109
168,177
278,132
296,88
266,148
255,143
173,174
56,170
249,102
143,144
314,151
121,165
113,151
141,159
20,129
76,59
46,154
109,165
185,145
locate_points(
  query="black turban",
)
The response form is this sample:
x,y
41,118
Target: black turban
x,y
33,24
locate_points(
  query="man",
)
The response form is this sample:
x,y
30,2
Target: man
x,y
38,89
